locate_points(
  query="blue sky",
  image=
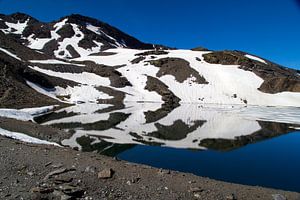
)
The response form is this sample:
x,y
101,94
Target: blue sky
x,y
268,28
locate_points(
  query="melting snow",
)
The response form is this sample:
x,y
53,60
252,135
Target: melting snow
x,y
10,54
54,61
26,114
256,58
24,137
19,27
98,31
83,78
77,94
74,41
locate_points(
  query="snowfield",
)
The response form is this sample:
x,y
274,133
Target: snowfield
x,y
225,82
26,114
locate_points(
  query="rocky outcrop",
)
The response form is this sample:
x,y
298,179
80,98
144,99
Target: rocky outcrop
x,y
276,78
153,52
199,49
14,92
12,45
154,84
178,68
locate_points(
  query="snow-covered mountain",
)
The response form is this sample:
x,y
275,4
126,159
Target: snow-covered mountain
x,y
79,59
70,37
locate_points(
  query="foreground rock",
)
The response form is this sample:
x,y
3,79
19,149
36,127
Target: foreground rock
x,y
46,172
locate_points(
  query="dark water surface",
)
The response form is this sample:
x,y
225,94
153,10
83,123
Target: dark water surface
x,y
272,163
247,145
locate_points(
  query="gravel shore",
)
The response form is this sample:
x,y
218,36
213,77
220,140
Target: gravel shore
x,y
29,171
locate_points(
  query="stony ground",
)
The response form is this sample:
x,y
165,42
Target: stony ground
x,y
29,171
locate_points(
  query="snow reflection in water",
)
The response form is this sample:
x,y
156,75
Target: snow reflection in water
x,y
189,126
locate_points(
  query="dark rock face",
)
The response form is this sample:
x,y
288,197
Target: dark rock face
x,y
199,49
14,92
72,51
9,43
50,47
276,78
154,52
280,84
154,84
138,59
178,68
66,31
3,25
101,53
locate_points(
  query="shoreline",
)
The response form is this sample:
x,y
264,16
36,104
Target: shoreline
x,y
32,171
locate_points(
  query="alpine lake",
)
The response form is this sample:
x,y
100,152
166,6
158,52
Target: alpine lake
x,y
241,144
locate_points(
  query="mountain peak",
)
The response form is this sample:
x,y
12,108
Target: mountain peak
x,y
83,20
72,36
22,17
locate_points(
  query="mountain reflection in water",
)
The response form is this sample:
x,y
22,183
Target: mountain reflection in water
x,y
112,129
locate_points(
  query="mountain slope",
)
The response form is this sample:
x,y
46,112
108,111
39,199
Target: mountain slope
x,y
71,36
79,59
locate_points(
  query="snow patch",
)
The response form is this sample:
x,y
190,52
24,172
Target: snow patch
x,y
74,41
16,28
10,54
83,78
24,137
77,94
256,58
98,31
26,114
54,61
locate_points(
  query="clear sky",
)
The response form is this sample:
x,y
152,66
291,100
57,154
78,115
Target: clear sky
x,y
268,28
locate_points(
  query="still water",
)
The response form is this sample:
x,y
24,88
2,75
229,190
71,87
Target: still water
x,y
247,145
